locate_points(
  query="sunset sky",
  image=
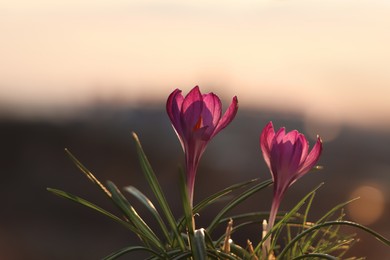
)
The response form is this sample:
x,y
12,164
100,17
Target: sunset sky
x,y
323,58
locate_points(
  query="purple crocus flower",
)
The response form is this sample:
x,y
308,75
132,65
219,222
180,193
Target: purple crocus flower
x,y
196,119
288,158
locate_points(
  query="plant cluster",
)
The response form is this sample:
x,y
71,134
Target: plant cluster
x,y
196,119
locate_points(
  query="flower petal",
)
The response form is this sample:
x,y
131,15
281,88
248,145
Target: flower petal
x,y
266,138
291,137
283,158
173,106
305,148
227,117
191,109
312,158
211,113
279,135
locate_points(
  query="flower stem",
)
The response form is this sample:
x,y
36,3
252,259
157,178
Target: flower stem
x,y
271,221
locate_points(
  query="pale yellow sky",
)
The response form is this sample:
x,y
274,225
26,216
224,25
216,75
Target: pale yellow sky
x,y
326,58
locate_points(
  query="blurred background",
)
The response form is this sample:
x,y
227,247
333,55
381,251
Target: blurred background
x,y
84,74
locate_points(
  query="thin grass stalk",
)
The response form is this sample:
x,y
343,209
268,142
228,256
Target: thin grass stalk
x,y
330,223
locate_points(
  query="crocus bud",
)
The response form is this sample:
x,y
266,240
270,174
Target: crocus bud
x,y
196,119
288,159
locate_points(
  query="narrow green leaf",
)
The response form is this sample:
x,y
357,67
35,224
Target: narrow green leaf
x,y
198,244
212,254
311,198
143,230
321,256
90,205
209,241
188,214
334,209
322,219
213,198
235,229
87,173
252,216
184,255
175,252
243,196
335,223
276,228
152,209
130,249
155,186
239,251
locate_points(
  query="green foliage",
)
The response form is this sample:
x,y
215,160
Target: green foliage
x,y
293,236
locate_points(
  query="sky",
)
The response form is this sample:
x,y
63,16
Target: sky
x,y
327,59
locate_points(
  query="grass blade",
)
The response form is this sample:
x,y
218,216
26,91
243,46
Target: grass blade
x,y
188,214
321,256
90,205
213,198
87,173
155,186
152,209
143,230
243,196
126,250
276,228
331,223
334,209
198,244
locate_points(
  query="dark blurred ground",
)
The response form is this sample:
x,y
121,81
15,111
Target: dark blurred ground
x,y
38,225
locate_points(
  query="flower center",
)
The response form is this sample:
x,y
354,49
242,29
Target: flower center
x,y
198,124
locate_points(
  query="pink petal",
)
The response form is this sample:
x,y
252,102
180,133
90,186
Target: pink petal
x,y
174,104
275,154
312,158
227,117
305,147
266,138
285,157
280,135
211,113
192,109
295,159
291,137
291,151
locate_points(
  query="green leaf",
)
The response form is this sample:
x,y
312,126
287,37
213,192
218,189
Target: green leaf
x,y
155,186
311,198
188,214
184,255
213,198
198,244
90,205
307,244
333,223
334,209
220,255
321,256
276,228
239,251
256,217
152,209
130,249
143,230
87,173
209,241
235,229
243,196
